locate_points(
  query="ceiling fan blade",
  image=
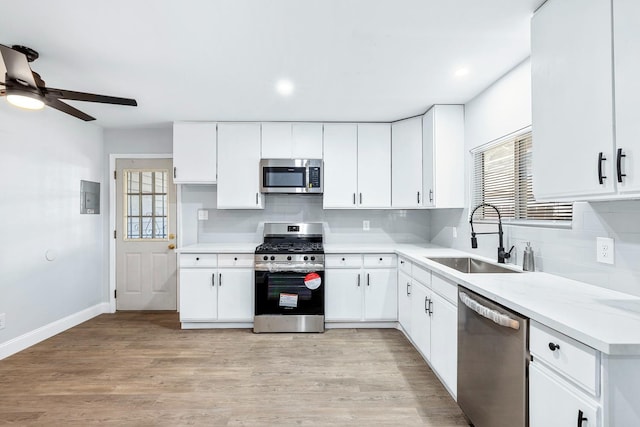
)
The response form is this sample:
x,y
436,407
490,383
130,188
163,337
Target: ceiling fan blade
x,y
66,108
17,66
89,97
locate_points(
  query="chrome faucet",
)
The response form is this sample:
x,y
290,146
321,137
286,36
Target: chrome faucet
x,y
502,255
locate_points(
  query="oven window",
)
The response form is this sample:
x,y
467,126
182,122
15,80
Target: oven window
x,y
278,284
284,177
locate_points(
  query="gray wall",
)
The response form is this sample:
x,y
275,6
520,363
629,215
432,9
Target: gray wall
x,y
503,108
45,155
341,226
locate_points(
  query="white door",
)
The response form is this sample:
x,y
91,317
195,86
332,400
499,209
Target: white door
x,y
343,293
276,140
572,99
238,166
406,163
340,165
380,294
420,319
404,301
374,165
198,294
235,294
444,340
145,235
307,140
194,153
626,36
428,165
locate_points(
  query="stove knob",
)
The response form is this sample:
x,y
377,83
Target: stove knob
x,y
306,258
272,257
265,257
313,258
289,258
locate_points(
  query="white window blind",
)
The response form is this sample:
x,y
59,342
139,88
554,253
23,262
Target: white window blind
x,y
502,177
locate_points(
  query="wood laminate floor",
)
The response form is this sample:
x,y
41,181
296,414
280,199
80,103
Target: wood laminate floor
x,y
140,369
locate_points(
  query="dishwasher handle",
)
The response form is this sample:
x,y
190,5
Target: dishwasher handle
x,y
493,315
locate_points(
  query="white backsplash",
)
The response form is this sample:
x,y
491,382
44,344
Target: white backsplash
x,y
569,252
340,226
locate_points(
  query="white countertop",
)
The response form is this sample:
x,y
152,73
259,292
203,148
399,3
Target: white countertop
x,y
606,320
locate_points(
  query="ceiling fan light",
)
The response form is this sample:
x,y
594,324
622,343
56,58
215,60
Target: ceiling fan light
x,y
26,102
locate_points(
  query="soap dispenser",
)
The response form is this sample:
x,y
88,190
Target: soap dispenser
x,y
527,259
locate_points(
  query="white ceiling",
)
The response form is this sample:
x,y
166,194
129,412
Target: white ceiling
x,y
350,60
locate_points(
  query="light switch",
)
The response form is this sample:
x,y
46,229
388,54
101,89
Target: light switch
x,y
203,214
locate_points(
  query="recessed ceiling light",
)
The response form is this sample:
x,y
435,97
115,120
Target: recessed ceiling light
x,y
284,87
460,72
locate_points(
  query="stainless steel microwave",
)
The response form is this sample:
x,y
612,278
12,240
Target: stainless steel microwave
x,y
291,176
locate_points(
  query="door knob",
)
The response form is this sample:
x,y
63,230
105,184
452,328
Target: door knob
x,y
171,246
172,236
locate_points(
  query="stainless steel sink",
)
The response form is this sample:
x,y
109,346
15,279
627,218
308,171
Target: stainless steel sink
x,y
472,265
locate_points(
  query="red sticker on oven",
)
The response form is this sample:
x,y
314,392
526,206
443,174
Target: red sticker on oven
x,y
312,281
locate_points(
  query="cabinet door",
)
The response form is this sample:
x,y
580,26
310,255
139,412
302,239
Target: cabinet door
x,y
420,319
340,165
572,99
374,165
343,293
406,163
554,403
443,160
306,141
239,161
194,153
404,301
626,36
444,341
276,140
198,294
235,294
380,294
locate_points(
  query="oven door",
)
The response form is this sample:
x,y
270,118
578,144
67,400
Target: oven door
x,y
287,292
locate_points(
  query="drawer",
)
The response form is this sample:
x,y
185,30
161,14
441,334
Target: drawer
x,y
235,260
445,288
404,265
421,275
350,260
198,260
382,260
576,361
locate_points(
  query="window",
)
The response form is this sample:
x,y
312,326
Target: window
x,y
502,177
145,201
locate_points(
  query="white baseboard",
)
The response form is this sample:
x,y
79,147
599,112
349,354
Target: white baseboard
x,y
25,341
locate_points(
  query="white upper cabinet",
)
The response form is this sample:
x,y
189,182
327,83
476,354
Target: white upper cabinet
x,y
406,163
194,153
626,36
340,165
374,165
239,160
574,154
291,140
443,156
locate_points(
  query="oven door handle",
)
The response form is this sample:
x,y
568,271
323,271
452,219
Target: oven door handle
x,y
488,313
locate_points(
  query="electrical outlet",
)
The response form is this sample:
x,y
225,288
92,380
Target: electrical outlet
x,y
605,250
3,320
203,214
365,225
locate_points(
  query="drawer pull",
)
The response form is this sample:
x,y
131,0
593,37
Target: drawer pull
x,y
401,262
235,259
197,258
343,259
408,288
581,418
554,347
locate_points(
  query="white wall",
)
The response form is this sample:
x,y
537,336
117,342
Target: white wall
x,y
504,108
45,154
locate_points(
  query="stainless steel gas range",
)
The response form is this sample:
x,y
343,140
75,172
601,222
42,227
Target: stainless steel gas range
x,y
289,273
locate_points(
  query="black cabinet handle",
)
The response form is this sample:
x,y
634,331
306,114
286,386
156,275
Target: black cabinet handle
x,y
235,258
174,171
360,198
430,196
553,346
358,280
408,288
426,305
601,158
213,279
619,164
368,281
430,307
581,418
220,280
197,258
401,262
354,198
418,197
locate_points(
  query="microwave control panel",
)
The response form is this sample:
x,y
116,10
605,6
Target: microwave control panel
x,y
314,177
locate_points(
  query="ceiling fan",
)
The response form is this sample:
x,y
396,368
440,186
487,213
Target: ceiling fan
x,y
24,87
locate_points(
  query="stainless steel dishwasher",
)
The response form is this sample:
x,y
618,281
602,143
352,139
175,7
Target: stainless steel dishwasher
x,y
493,360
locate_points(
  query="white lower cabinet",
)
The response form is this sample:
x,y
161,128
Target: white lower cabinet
x,y
216,288
429,317
555,403
359,289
